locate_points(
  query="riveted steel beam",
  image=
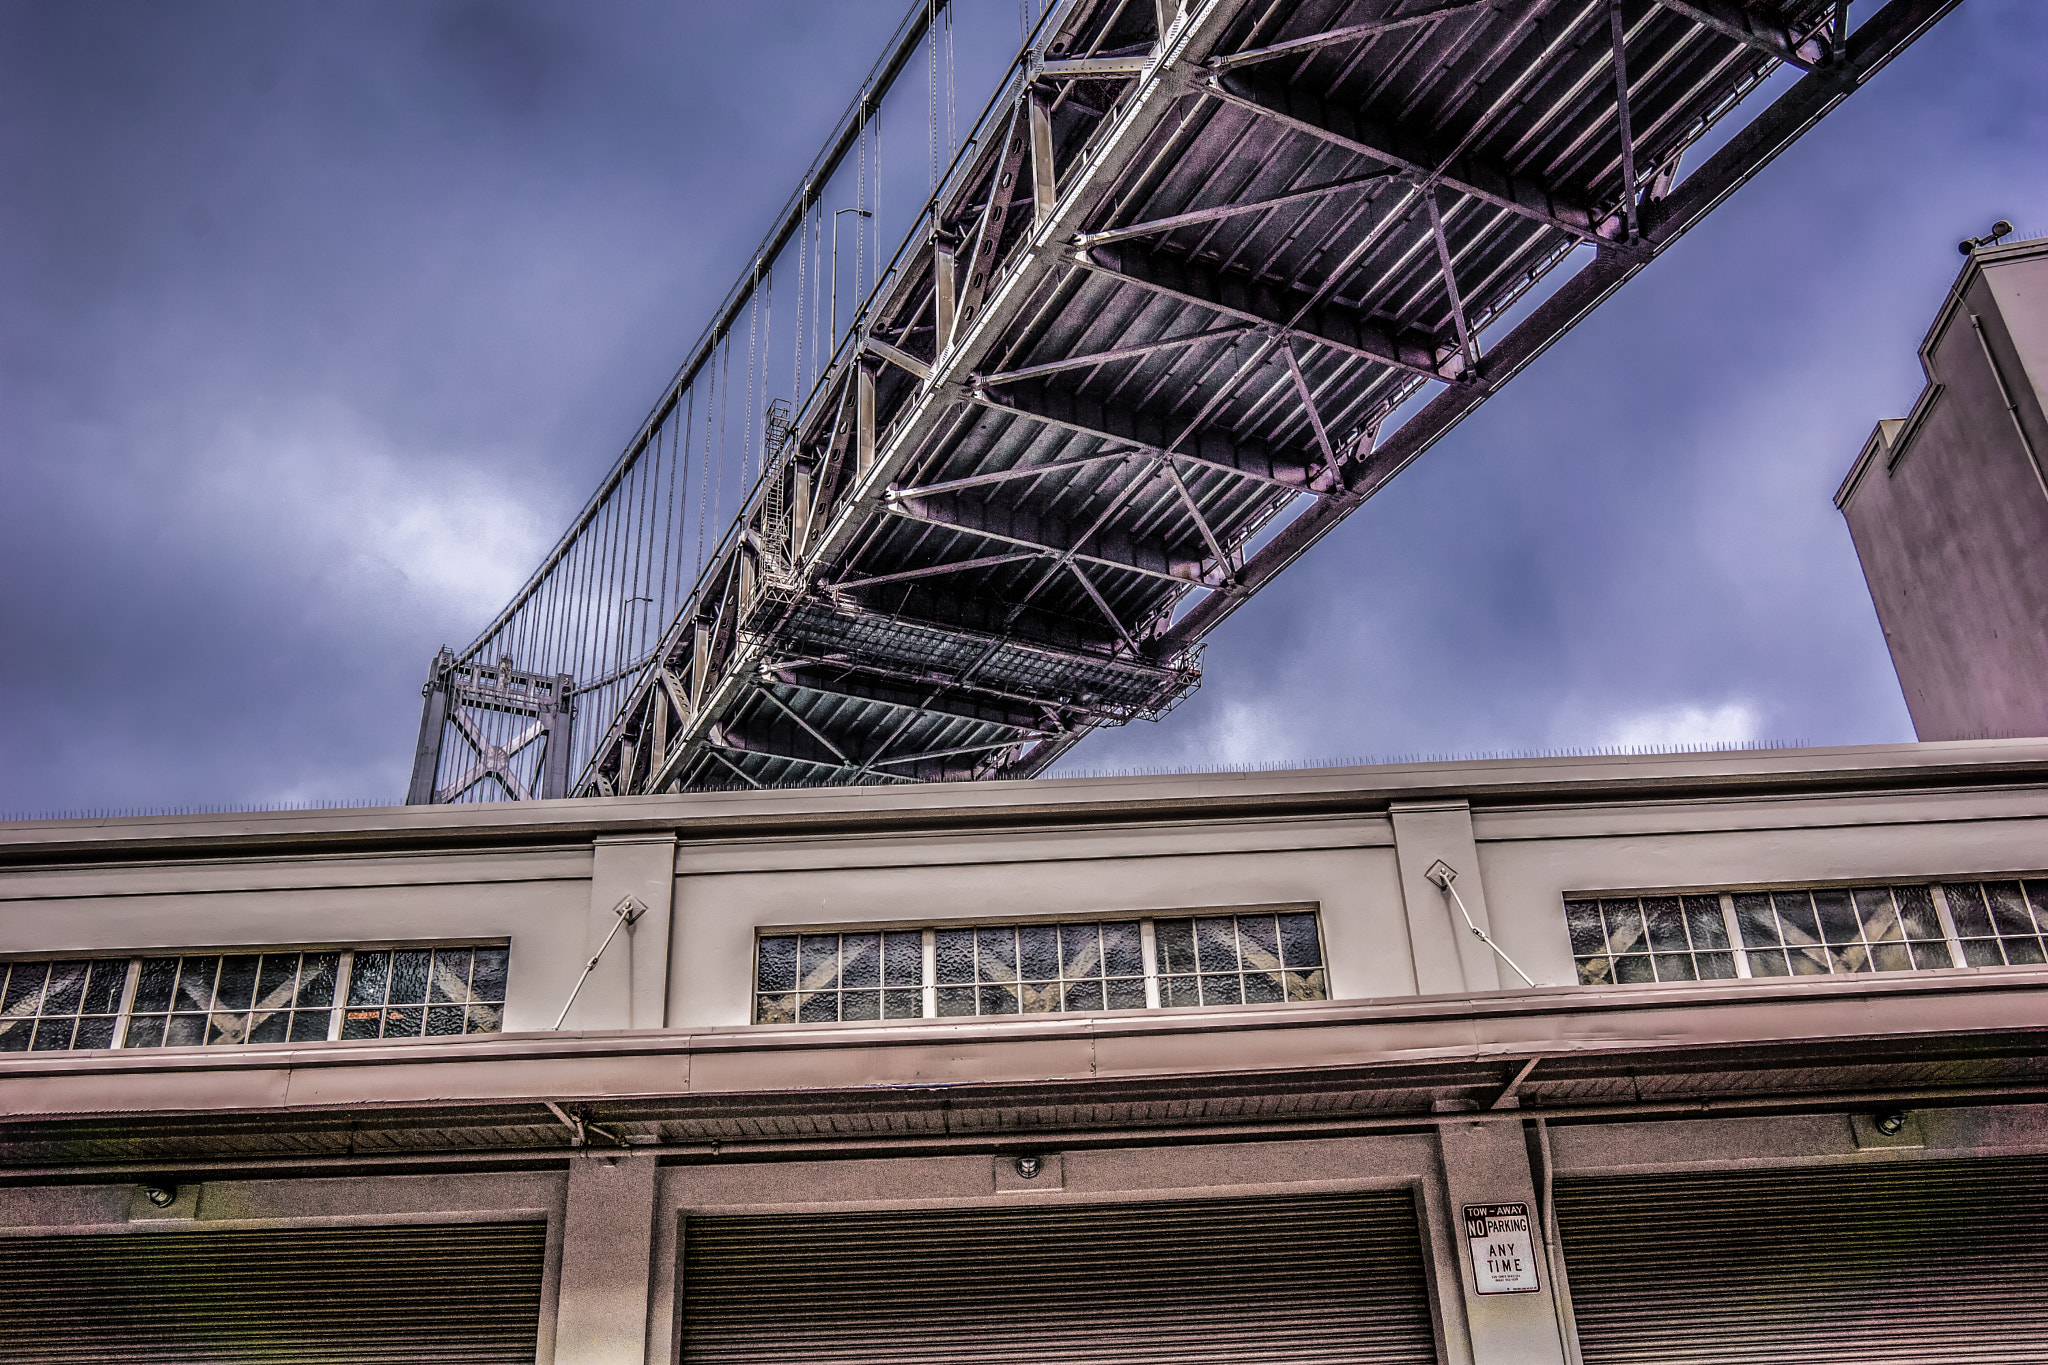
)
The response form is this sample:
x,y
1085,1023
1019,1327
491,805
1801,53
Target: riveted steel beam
x,y
1879,39
1023,526
1256,301
1111,421
1193,217
1408,150
1090,360
1746,25
1350,33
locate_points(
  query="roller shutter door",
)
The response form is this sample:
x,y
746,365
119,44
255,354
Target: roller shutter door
x,y
467,1293
1336,1278
1924,1261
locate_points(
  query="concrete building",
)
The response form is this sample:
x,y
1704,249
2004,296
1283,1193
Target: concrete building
x,y
1948,507
1177,1069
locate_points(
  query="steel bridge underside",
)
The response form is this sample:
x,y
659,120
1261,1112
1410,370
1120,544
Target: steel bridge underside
x,y
1140,357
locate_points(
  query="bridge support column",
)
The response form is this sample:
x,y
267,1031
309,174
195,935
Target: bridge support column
x,y
864,421
426,757
946,296
554,764
1044,190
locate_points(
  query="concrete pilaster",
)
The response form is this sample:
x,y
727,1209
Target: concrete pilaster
x,y
1448,959
629,988
607,1244
1487,1162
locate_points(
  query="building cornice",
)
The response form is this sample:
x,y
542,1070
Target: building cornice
x,y
1587,1028
704,817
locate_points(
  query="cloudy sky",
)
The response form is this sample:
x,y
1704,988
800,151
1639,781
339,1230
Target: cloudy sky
x,y
318,322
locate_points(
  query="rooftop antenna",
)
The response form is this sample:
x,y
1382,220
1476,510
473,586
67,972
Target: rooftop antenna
x,y
1999,229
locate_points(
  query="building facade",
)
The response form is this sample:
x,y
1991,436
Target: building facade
x,y
1227,1067
1948,507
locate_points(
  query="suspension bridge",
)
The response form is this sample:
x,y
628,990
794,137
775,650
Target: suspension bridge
x,y
1199,280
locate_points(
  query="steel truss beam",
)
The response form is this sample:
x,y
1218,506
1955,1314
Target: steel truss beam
x,y
1153,431
1744,24
1091,360
896,695
1031,471
1257,302
1414,153
1193,217
1350,33
1880,38
904,457
940,686
1051,536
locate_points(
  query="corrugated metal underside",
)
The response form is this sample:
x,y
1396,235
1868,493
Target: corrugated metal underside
x,y
1755,1079
1141,389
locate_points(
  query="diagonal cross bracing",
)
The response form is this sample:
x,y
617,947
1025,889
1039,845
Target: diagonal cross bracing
x,y
1406,149
1256,301
1114,423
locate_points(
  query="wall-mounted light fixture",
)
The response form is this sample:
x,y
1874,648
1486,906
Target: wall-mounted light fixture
x,y
1890,1123
1999,229
163,1196
1029,1166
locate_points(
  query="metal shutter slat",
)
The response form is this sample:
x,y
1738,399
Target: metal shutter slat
x,y
1301,1280
467,1293
1934,1261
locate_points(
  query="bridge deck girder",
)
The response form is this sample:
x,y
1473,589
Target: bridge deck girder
x,y
1170,351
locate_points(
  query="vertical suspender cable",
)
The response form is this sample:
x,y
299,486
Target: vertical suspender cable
x,y
641,561
704,469
803,251
767,350
618,553
875,223
931,101
817,248
688,435
668,516
724,402
860,202
747,413
608,594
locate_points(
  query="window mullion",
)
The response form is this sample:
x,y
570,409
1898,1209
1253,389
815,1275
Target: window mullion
x,y
344,968
1948,925
930,991
1734,927
1148,946
127,1005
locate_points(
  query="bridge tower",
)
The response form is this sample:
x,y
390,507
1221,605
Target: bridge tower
x,y
492,757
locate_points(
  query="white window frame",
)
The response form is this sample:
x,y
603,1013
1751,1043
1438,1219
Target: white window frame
x,y
1147,939
343,973
1936,887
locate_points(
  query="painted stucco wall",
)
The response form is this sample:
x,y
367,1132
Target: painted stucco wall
x,y
687,962
1950,519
